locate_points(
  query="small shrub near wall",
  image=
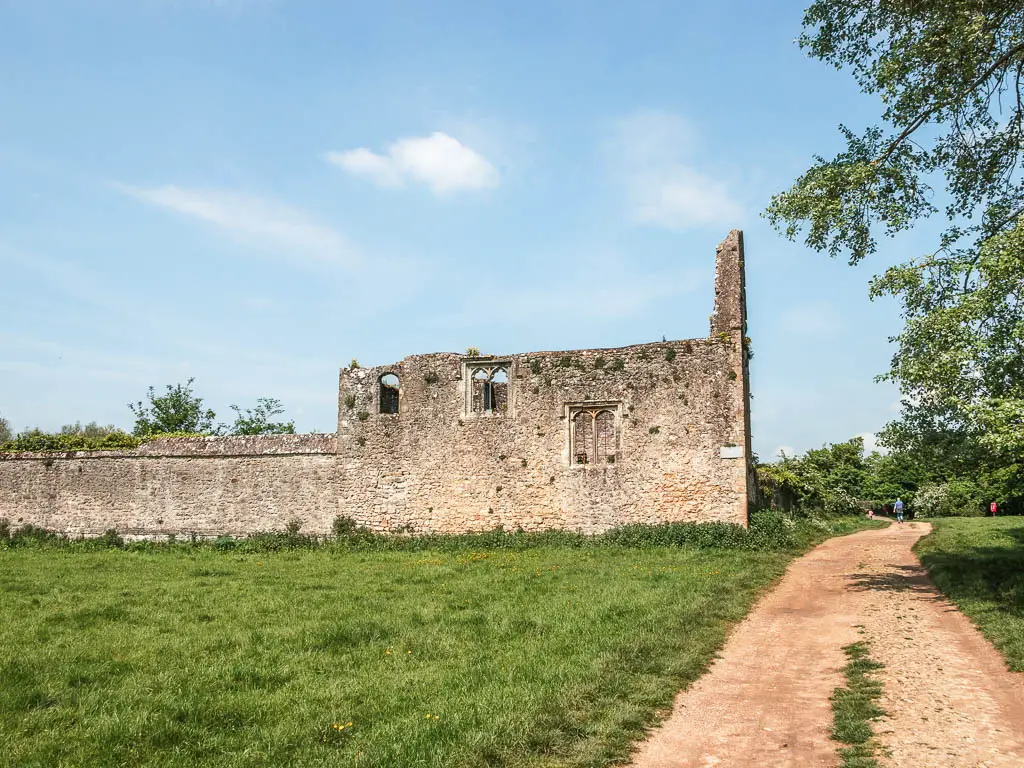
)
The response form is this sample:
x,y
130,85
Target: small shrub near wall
x,y
768,531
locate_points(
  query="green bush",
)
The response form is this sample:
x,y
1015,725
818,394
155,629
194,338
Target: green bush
x,y
29,535
347,528
110,538
954,498
35,440
720,535
770,530
839,502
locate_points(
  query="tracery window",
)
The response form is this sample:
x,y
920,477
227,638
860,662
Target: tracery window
x,y
487,391
583,437
593,435
604,437
481,386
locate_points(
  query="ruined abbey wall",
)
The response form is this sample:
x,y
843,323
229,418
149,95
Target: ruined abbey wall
x,y
584,440
207,486
678,412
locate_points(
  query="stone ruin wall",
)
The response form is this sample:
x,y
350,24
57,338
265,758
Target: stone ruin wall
x,y
681,447
681,427
433,466
206,486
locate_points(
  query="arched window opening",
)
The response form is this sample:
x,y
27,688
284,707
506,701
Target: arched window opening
x,y
499,391
489,390
582,437
593,433
481,391
389,390
604,437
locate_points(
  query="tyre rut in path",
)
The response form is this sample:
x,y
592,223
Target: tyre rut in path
x,y
764,702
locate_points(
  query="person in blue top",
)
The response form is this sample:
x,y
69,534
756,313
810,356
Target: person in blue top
x,y
898,507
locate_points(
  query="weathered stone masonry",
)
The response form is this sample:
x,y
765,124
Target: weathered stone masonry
x,y
584,439
207,486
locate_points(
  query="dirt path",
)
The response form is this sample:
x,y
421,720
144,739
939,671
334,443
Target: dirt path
x,y
765,701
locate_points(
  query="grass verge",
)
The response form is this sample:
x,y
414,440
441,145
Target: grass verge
x,y
855,707
979,564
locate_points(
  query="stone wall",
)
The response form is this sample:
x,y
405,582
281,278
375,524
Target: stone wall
x,y
206,486
681,431
453,457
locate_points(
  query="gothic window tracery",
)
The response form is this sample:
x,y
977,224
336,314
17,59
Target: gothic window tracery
x,y
593,438
488,389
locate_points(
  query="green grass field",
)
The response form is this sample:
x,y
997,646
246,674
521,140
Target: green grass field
x,y
979,564
556,652
543,657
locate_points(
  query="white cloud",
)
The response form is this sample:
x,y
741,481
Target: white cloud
x,y
680,198
818,319
654,154
438,160
262,222
871,443
363,162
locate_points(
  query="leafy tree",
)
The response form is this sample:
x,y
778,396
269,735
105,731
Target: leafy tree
x,y
949,76
257,421
893,475
839,479
831,479
840,466
178,410
6,434
92,429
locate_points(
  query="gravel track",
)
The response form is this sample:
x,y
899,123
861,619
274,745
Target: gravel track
x,y
951,701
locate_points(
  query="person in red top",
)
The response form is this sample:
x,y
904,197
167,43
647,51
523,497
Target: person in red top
x,y
992,508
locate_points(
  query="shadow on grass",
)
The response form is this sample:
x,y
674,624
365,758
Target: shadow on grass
x,y
989,573
985,580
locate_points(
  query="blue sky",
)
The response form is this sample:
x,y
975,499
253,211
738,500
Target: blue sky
x,y
253,193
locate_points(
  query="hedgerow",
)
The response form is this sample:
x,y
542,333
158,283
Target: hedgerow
x,y
768,531
37,441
